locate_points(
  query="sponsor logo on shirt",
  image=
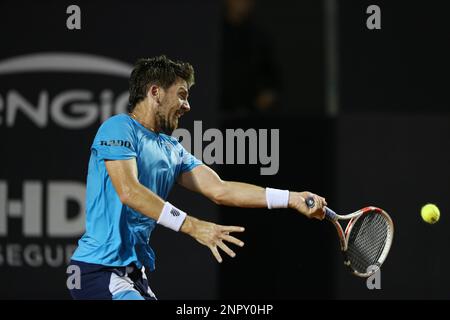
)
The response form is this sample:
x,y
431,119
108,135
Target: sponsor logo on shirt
x,y
115,143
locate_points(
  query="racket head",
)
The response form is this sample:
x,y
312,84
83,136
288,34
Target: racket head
x,y
368,239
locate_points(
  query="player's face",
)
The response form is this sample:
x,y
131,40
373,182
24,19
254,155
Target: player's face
x,y
174,103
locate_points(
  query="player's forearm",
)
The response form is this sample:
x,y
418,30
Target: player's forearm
x,y
144,201
239,194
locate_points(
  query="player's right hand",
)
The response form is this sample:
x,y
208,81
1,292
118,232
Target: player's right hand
x,y
213,235
297,201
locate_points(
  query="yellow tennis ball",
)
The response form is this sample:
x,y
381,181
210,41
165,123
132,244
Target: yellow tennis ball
x,y
430,213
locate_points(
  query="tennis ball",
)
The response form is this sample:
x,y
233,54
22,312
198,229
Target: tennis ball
x,y
430,213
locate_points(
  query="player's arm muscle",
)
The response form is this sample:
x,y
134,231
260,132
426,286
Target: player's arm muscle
x,y
207,182
123,175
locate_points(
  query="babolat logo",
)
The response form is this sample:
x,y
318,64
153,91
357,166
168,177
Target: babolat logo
x,y
174,212
115,143
71,108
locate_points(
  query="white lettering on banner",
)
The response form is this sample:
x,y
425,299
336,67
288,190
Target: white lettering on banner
x,y
58,195
30,210
72,109
3,220
1,109
35,255
68,62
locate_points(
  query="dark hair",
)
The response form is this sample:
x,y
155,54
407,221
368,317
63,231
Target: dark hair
x,y
157,70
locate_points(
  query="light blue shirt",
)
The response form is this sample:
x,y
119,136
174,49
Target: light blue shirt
x,y
117,235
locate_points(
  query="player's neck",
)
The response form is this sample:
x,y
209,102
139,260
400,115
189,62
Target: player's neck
x,y
144,116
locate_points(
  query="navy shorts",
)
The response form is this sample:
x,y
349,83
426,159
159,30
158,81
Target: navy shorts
x,y
110,283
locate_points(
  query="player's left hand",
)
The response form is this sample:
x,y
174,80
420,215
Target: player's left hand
x,y
213,236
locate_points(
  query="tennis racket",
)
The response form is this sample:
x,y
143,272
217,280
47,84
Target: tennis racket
x,y
367,239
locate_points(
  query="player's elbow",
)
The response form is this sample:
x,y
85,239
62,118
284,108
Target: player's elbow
x,y
127,196
219,194
124,198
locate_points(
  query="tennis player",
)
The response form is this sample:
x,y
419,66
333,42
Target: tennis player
x,y
133,165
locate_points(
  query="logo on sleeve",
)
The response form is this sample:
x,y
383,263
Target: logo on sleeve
x,y
115,143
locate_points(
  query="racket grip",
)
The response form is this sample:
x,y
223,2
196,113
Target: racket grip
x,y
329,214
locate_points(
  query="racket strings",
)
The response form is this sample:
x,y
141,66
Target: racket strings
x,y
367,240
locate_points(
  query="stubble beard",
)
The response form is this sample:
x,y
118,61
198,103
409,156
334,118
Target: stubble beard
x,y
164,123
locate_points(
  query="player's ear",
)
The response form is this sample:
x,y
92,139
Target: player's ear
x,y
154,93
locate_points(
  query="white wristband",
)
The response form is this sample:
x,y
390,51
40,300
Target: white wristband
x,y
277,198
171,217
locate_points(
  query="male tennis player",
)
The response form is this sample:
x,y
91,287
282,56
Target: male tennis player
x,y
133,165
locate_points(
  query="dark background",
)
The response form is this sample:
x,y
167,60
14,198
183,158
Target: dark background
x,y
386,146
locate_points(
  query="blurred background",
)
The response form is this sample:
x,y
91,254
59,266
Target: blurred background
x,y
363,116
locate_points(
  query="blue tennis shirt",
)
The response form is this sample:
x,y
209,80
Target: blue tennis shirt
x,y
117,235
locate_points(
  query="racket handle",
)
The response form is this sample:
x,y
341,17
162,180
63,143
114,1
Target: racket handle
x,y
329,214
